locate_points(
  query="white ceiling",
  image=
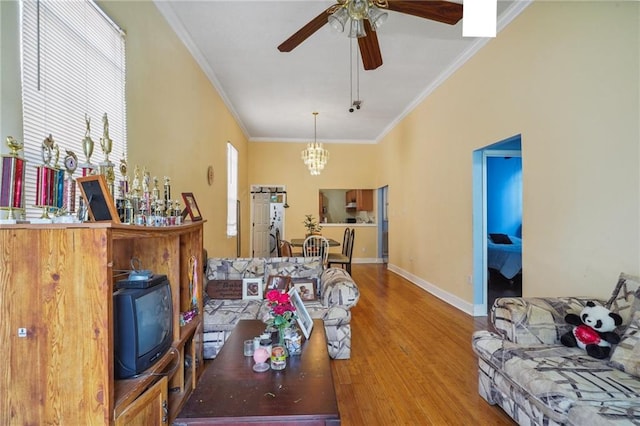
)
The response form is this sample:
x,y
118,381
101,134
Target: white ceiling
x,y
273,94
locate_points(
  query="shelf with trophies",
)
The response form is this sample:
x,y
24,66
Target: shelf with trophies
x,y
57,191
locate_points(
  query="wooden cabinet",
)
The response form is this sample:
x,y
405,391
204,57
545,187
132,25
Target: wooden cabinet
x,y
150,408
56,334
359,199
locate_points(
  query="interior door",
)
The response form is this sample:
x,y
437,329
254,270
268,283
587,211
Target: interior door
x,y
261,224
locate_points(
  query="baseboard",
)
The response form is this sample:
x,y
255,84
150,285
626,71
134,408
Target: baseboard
x,y
447,297
367,260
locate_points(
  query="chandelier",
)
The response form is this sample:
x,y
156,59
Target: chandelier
x,y
356,11
315,157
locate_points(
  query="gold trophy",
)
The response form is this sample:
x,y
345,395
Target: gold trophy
x,y
124,183
12,181
87,147
106,167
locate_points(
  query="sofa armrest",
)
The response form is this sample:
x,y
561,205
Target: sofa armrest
x,y
337,288
534,321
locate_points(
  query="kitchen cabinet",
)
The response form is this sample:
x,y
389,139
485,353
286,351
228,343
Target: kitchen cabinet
x,y
359,200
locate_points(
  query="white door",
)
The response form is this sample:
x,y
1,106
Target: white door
x,y
261,224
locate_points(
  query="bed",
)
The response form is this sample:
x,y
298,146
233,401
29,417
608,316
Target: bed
x,y
504,254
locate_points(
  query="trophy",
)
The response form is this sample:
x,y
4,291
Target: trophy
x,y
58,181
124,183
87,147
106,167
46,179
167,195
12,181
69,199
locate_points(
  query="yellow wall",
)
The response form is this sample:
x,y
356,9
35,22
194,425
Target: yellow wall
x,y
177,123
349,166
565,76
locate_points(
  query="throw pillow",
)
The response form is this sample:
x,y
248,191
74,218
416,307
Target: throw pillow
x,y
626,355
625,299
500,238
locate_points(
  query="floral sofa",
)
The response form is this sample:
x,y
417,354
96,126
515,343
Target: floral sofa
x,y
337,294
525,369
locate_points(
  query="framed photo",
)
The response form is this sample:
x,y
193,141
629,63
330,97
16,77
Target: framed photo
x,y
304,319
307,287
277,282
98,199
251,288
191,206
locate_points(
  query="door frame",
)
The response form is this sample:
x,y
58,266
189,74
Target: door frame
x,y
512,147
278,189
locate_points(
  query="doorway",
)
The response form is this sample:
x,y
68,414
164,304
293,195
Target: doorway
x,y
383,224
268,206
497,223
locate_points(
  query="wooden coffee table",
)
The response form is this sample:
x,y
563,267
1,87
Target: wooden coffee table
x,y
230,392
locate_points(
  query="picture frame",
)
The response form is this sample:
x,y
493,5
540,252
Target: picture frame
x,y
277,282
307,287
98,199
252,289
191,206
305,322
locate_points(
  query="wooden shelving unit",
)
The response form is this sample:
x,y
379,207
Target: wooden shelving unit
x,y
56,286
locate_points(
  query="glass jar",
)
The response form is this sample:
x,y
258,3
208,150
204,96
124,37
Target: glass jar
x,y
278,357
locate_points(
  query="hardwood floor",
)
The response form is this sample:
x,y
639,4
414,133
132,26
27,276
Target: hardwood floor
x,y
411,358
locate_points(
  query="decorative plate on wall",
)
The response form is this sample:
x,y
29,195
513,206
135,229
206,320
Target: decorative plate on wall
x,y
210,175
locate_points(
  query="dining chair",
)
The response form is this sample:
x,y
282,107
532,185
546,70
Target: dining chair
x,y
285,249
278,243
316,246
344,258
345,247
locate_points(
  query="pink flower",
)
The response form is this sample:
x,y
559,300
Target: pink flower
x,y
273,295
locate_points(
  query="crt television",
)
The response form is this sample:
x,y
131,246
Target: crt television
x,y
143,328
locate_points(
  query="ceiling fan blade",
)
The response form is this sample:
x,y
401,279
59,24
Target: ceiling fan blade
x,y
305,32
369,48
442,11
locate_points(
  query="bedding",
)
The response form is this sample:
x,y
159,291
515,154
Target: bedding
x,y
505,258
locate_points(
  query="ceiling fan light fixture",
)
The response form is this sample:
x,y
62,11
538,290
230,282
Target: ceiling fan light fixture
x,y
339,19
357,29
377,17
358,9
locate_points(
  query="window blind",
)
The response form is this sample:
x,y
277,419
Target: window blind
x,y
232,190
73,63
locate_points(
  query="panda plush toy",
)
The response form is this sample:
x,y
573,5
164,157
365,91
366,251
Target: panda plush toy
x,y
593,330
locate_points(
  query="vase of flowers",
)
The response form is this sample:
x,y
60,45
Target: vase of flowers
x,y
282,317
312,225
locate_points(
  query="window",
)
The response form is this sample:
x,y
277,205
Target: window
x,y
73,64
232,190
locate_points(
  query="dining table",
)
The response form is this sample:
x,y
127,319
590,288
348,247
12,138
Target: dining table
x,y
299,242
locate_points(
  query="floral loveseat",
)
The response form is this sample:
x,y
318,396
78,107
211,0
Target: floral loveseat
x,y
525,369
338,293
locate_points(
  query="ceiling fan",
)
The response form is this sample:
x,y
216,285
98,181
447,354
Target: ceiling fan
x,y
366,16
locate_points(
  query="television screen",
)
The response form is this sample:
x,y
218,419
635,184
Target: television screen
x,y
143,328
153,321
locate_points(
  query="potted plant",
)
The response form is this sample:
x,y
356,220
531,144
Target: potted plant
x,y
312,225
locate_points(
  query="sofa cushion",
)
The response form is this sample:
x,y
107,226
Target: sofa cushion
x,y
534,320
234,269
338,288
294,267
626,355
224,314
625,299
